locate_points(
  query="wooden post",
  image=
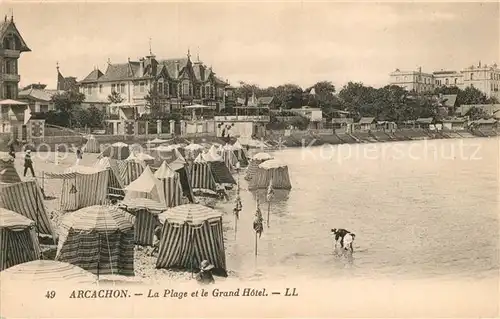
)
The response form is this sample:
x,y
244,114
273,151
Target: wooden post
x,y
256,245
235,226
268,210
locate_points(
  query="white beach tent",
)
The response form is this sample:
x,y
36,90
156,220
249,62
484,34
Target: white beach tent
x,y
272,172
256,160
147,186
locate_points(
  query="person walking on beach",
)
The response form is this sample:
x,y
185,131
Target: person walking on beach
x,y
28,163
205,276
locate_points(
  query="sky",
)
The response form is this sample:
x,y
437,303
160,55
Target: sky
x,y
263,43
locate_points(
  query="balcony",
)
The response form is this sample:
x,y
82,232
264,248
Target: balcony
x,y
7,53
244,118
11,77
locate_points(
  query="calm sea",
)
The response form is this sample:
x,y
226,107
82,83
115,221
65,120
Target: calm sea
x,y
420,209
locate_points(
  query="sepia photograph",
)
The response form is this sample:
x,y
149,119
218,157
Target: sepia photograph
x,y
249,159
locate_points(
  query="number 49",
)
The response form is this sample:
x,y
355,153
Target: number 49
x,y
50,294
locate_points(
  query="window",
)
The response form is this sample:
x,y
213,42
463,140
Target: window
x,y
10,66
100,88
185,88
160,87
165,89
122,88
89,89
456,80
491,76
472,76
44,108
141,87
447,81
113,88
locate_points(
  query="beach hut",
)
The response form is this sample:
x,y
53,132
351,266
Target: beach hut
x,y
271,170
47,271
130,169
240,154
181,166
171,185
192,233
202,178
256,160
117,151
99,239
82,186
18,239
115,183
92,145
147,186
221,172
26,198
8,172
163,153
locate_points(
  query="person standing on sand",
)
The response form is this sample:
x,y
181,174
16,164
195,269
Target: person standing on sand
x,y
28,163
205,276
79,155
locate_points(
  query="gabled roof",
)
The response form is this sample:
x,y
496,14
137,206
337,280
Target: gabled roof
x,y
93,76
38,94
117,72
8,26
366,120
265,100
171,65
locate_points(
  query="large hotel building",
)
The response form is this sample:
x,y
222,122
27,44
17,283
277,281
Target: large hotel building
x,y
485,78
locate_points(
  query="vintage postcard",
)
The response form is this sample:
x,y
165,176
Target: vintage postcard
x,y
249,159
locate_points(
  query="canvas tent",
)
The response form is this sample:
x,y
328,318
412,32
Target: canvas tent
x,y
192,233
202,178
192,150
171,185
256,160
92,145
82,186
181,167
115,183
18,239
99,239
117,151
26,198
130,169
240,154
271,171
229,156
219,169
8,172
47,271
147,186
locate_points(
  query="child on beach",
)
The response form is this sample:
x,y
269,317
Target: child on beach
x,y
205,276
79,155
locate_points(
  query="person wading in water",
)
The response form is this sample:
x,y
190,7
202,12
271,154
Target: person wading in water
x,y
28,164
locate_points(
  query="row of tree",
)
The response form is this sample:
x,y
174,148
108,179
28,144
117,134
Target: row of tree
x,y
391,103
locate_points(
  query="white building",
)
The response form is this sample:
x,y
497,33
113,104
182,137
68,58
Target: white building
x,y
485,78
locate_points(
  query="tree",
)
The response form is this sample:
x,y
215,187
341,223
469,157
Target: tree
x,y
64,103
115,98
476,113
471,95
153,102
246,90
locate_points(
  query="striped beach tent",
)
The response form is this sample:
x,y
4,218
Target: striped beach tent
x,y
221,172
115,183
18,239
202,178
8,172
92,145
82,186
171,185
272,172
118,151
130,169
182,168
192,233
146,220
47,271
256,160
146,186
99,239
26,198
163,153
240,154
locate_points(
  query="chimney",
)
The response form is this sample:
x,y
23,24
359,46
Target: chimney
x,y
141,67
177,69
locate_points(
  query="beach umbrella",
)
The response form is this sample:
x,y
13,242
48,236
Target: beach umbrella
x,y
47,271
